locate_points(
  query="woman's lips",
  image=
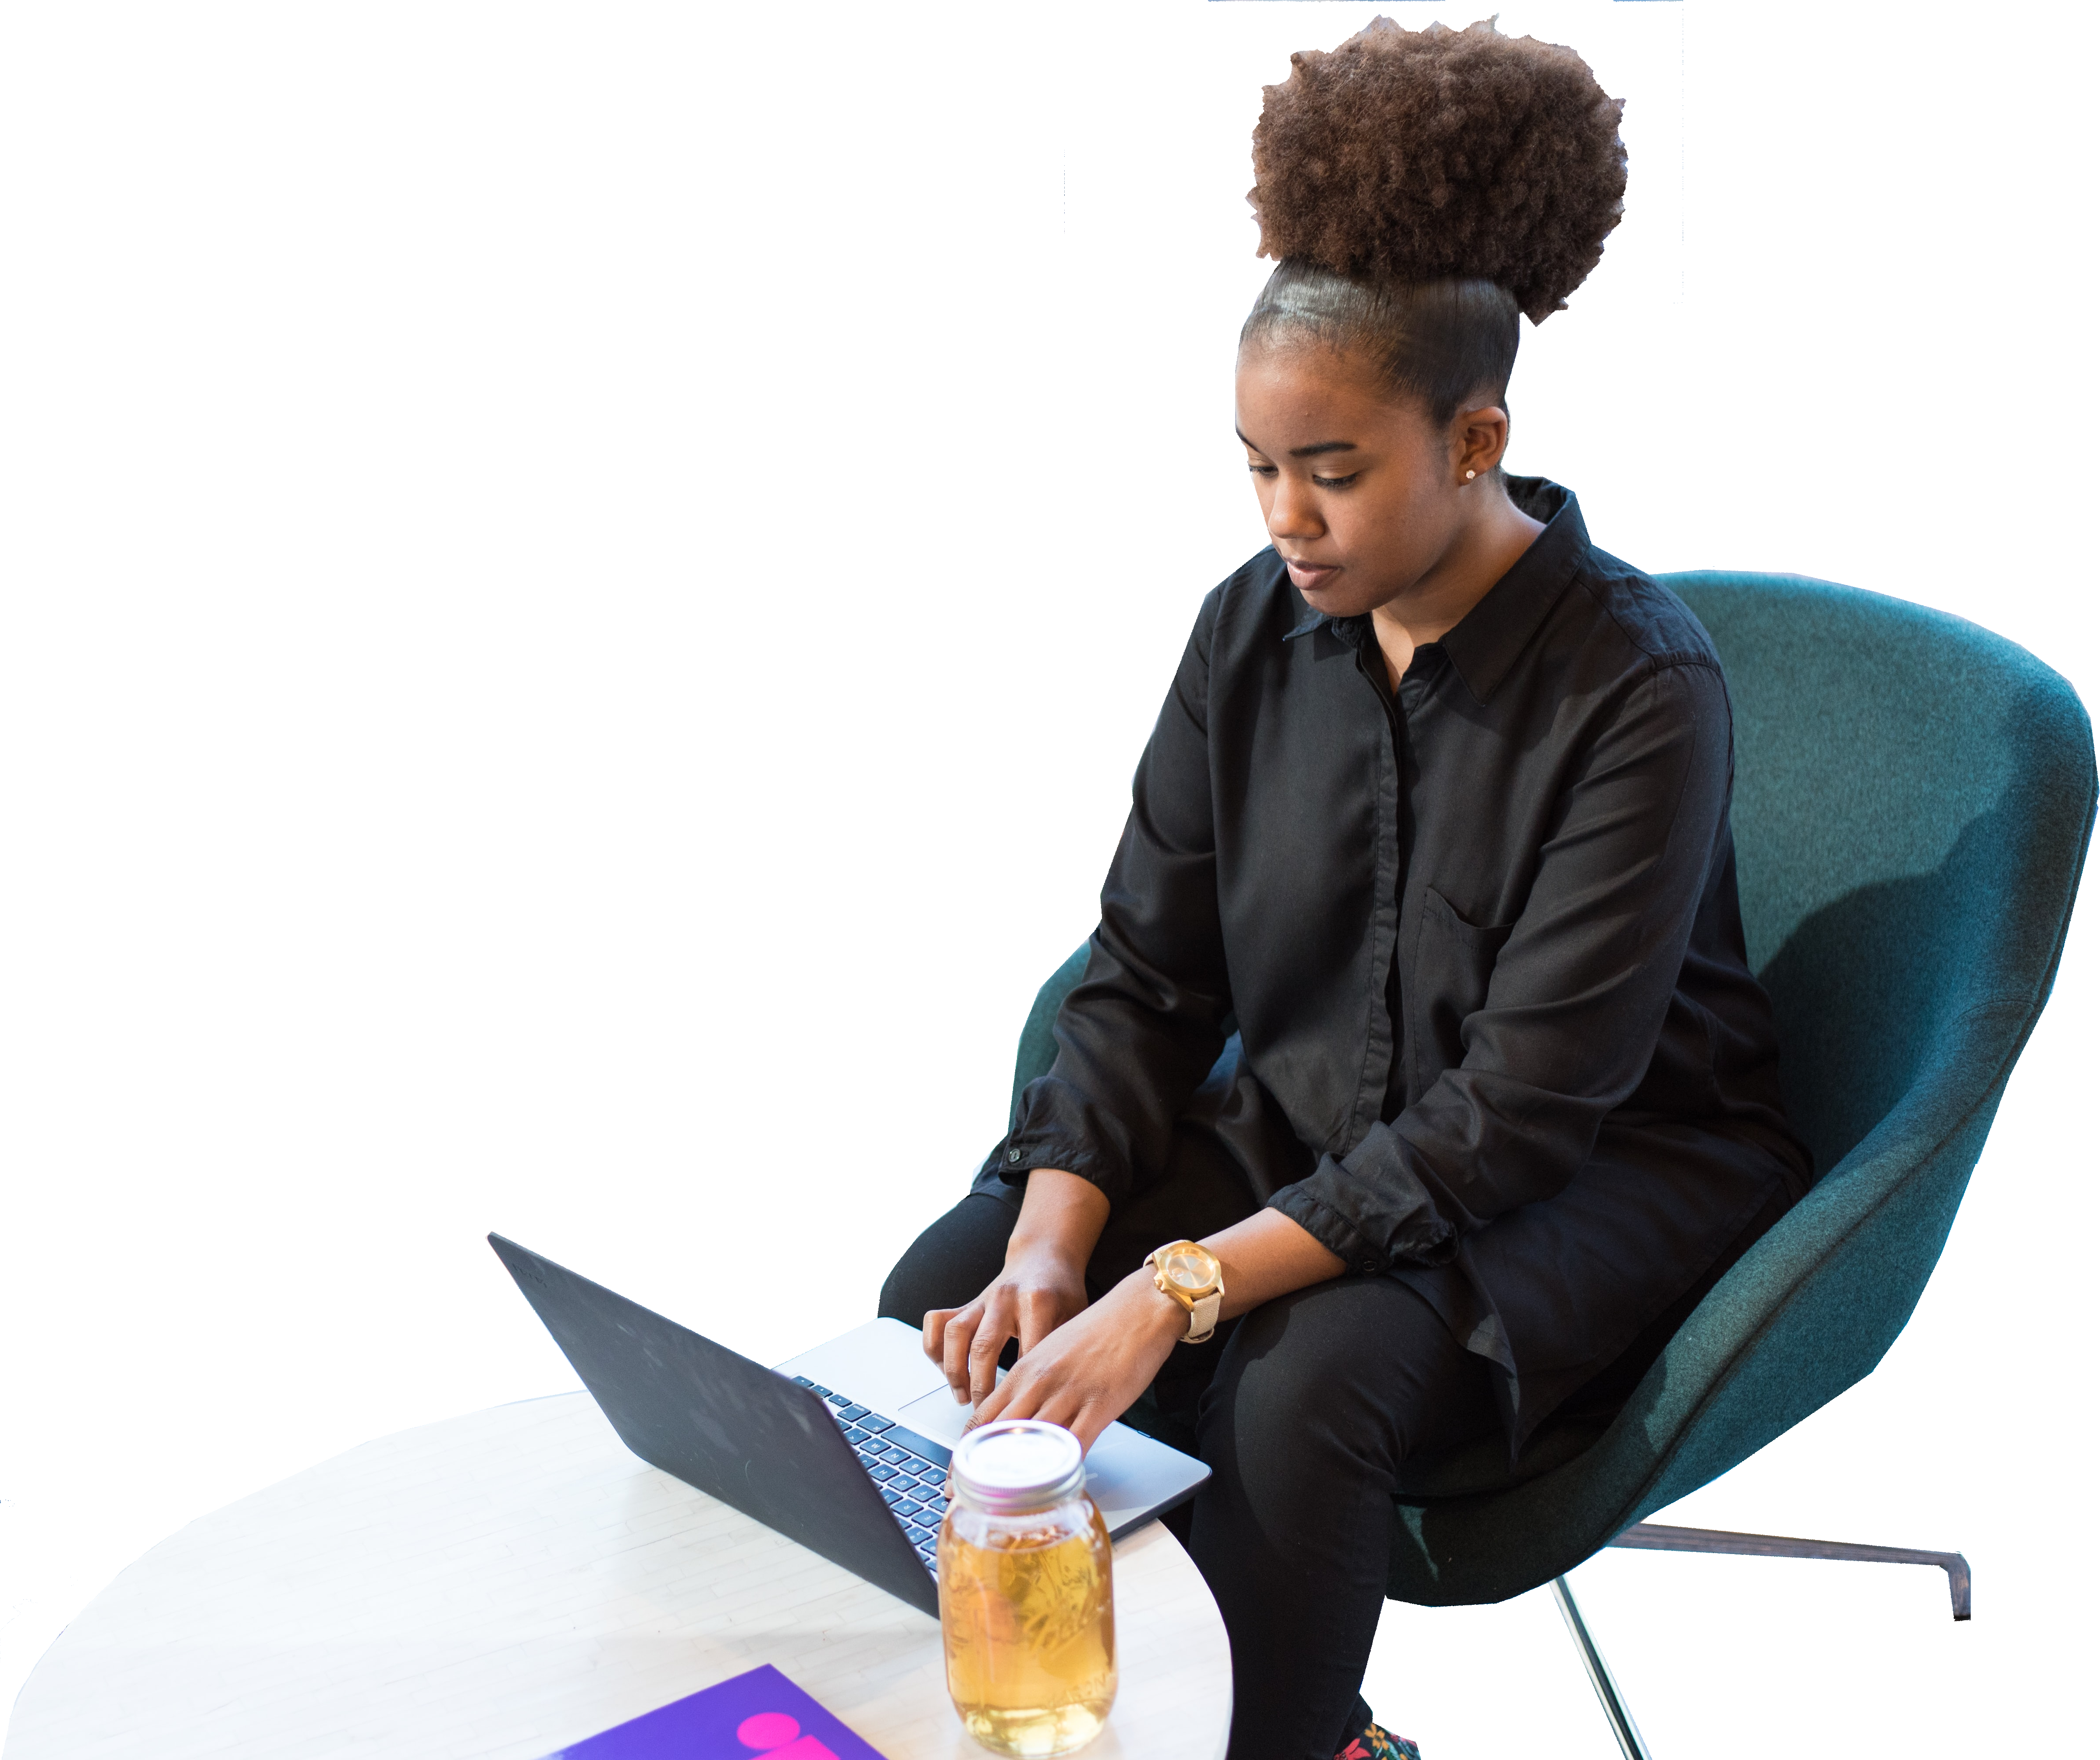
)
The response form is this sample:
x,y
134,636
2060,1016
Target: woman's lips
x,y
1305,574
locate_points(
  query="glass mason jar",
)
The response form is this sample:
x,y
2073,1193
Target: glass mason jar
x,y
1027,1605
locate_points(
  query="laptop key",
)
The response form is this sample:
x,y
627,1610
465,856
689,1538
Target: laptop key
x,y
924,1447
896,1457
907,1511
891,1498
875,1422
856,1436
856,1412
882,1472
919,1536
838,1399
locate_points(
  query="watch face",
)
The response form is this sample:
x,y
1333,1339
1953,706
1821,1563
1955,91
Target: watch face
x,y
1188,1271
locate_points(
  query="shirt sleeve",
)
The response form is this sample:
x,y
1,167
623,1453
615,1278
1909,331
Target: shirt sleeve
x,y
1574,1005
1142,1027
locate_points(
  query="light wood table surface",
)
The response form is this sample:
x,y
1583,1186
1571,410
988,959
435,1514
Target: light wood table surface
x,y
502,1584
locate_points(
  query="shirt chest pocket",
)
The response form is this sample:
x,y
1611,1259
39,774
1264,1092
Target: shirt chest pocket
x,y
1454,961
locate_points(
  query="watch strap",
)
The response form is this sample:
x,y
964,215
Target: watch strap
x,y
1203,1318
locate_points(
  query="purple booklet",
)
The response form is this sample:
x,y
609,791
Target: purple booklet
x,y
761,1713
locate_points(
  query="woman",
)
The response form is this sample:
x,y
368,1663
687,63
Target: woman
x,y
1418,1020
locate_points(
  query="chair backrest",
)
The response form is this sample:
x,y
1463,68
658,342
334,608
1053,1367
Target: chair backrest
x,y
1912,800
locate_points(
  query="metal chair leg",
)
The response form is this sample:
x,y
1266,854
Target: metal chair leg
x,y
1621,1720
1655,1536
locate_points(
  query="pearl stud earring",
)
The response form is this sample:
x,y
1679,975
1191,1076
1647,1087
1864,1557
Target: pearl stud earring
x,y
1470,475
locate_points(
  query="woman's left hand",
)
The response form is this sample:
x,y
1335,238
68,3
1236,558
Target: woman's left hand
x,y
1086,1374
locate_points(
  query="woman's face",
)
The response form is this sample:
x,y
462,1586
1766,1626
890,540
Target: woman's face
x,y
1361,495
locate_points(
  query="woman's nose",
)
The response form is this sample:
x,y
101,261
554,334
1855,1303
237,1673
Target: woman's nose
x,y
1292,513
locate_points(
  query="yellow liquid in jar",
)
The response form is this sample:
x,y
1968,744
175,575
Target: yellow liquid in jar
x,y
1028,1622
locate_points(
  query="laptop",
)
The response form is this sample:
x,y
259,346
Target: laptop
x,y
844,1450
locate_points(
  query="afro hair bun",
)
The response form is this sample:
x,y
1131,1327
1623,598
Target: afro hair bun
x,y
1416,156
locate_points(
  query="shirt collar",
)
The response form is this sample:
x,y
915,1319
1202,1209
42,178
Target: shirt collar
x,y
1484,644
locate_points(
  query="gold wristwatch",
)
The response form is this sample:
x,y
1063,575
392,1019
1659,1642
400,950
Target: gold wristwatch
x,y
1192,1275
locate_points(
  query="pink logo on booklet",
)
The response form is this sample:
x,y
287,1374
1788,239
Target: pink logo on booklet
x,y
760,1716
774,1733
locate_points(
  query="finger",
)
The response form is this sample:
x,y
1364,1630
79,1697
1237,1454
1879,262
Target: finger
x,y
993,1331
1061,1405
1087,1423
1009,1400
956,1338
931,1328
1077,1408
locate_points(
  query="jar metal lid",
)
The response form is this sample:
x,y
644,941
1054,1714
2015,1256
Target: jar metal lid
x,y
1014,1464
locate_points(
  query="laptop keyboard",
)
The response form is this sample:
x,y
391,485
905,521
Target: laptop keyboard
x,y
910,1473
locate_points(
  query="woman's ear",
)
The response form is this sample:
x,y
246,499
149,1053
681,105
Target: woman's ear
x,y
1480,436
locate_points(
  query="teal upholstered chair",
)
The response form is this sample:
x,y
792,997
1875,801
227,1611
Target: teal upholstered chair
x,y
1913,797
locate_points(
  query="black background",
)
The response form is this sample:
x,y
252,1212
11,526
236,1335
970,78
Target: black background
x,y
662,563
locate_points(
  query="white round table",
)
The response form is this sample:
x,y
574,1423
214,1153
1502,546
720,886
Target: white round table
x,y
506,1583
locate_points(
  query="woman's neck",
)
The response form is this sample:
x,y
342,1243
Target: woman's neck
x,y
1485,547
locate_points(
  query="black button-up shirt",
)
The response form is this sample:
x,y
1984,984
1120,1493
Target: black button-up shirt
x,y
1480,942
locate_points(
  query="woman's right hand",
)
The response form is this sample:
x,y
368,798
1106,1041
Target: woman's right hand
x,y
1036,1293
1042,1285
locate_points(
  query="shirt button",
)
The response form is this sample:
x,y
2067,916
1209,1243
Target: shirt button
x,y
1013,1154
1368,1267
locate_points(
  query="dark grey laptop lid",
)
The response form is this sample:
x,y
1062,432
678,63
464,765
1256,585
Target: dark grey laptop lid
x,y
723,1424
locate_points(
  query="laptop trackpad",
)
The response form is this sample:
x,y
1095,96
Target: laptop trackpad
x,y
938,1415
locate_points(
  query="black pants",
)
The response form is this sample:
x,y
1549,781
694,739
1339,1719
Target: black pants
x,y
1303,1410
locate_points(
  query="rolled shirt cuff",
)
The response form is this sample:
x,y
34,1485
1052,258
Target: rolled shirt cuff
x,y
1370,1208
1019,1155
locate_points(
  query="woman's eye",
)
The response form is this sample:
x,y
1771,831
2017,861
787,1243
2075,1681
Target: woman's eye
x,y
1318,482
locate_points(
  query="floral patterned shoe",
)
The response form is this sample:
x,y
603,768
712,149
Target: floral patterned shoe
x,y
1375,1744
